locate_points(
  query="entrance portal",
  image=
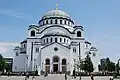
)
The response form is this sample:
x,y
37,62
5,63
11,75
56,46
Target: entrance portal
x,y
56,64
55,68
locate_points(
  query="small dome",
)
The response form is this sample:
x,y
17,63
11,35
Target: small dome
x,y
56,13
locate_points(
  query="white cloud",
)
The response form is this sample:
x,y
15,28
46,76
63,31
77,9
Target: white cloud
x,y
9,44
15,14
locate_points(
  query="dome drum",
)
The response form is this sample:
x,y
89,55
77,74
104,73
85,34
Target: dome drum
x,y
56,17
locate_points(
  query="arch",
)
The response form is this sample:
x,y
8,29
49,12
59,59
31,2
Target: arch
x,y
63,61
55,59
32,33
47,61
78,34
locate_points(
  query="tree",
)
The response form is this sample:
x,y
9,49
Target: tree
x,y
88,65
2,63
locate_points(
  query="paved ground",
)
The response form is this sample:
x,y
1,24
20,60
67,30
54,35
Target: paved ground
x,y
53,77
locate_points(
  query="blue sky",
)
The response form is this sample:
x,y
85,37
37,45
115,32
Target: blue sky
x,y
100,19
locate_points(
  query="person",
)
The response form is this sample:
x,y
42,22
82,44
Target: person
x,y
66,76
92,77
8,73
74,73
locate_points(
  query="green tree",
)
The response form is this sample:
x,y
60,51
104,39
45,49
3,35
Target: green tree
x,y
88,65
2,63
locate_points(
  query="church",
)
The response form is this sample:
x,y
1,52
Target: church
x,y
54,45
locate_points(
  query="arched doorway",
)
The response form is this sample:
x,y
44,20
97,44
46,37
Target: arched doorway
x,y
55,64
47,65
63,65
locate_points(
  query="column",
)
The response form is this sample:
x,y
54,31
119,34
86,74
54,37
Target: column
x,y
60,65
51,66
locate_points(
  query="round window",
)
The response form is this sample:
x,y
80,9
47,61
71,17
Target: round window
x,y
55,49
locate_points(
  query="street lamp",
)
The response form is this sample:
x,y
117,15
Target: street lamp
x,y
80,65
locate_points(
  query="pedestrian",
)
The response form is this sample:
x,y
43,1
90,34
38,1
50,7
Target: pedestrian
x,y
74,74
92,77
66,76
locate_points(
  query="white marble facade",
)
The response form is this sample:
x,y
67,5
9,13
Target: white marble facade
x,y
52,45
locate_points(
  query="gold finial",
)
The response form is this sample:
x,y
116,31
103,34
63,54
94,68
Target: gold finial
x,y
56,6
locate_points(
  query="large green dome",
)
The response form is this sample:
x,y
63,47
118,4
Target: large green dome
x,y
56,13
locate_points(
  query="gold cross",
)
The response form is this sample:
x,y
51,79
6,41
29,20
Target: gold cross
x,y
56,6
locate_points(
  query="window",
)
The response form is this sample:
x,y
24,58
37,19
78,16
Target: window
x,y
67,40
78,34
63,61
74,50
60,21
65,21
47,40
68,23
46,21
24,46
17,54
55,59
51,39
44,40
37,49
60,39
94,54
32,33
55,49
55,21
51,21
47,62
64,39
55,39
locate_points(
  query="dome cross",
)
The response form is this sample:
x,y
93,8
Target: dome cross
x,y
56,6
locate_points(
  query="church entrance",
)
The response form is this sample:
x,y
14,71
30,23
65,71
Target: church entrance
x,y
55,64
55,68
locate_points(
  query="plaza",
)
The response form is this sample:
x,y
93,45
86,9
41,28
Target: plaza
x,y
54,77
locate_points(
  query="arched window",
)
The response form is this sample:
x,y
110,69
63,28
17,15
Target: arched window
x,y
68,23
60,21
55,21
78,34
17,54
60,39
63,61
67,40
65,21
47,40
32,33
51,21
43,23
64,39
55,59
46,21
37,49
51,40
47,62
55,39
44,40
